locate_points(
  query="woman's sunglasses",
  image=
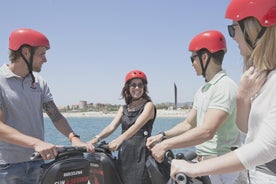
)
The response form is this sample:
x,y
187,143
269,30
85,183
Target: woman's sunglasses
x,y
135,85
231,30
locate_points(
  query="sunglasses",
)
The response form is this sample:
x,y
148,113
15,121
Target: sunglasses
x,y
193,58
231,30
135,85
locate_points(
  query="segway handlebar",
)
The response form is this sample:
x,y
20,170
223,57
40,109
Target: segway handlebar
x,y
181,178
102,147
63,149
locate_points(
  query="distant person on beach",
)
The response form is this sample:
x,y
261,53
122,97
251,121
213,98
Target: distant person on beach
x,y
136,118
23,97
254,29
210,125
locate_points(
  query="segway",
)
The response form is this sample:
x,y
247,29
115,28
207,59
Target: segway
x,y
70,166
104,170
103,167
73,166
160,172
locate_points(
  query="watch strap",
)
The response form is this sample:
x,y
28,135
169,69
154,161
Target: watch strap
x,y
72,135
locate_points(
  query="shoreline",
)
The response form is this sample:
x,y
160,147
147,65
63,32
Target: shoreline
x,y
160,113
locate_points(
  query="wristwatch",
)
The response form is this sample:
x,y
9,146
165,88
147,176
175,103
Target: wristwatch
x,y
163,135
73,134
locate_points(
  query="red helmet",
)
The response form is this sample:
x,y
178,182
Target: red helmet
x,y
27,36
263,10
211,40
135,74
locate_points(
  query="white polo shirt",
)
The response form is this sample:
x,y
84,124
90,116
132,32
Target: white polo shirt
x,y
219,93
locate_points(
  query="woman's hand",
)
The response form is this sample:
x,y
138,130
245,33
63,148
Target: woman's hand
x,y
114,145
77,142
93,141
251,82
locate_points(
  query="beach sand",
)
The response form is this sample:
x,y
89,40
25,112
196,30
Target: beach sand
x,y
160,113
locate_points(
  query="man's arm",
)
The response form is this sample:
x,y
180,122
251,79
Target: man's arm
x,y
13,136
212,121
62,125
178,129
57,118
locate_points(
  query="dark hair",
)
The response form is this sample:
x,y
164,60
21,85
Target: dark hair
x,y
217,56
14,55
126,95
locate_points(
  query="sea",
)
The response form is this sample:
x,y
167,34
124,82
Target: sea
x,y
88,127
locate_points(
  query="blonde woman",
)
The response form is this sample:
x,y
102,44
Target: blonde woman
x,y
254,29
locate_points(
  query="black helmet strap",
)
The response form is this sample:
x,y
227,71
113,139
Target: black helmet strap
x,y
29,63
204,68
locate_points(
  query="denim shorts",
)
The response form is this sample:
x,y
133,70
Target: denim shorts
x,y
20,173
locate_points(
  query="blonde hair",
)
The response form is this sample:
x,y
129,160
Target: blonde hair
x,y
263,56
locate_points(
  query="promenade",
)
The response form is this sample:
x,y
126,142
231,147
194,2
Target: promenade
x,y
160,113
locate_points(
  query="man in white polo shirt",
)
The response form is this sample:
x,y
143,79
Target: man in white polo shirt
x,y
210,125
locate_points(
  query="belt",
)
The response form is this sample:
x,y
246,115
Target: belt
x,y
200,158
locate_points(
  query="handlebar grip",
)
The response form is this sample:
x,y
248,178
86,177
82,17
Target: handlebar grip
x,y
35,155
181,178
71,148
169,155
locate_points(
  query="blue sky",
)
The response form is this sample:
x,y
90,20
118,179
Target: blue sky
x,y
94,43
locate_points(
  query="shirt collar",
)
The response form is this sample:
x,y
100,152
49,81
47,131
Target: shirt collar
x,y
6,71
214,80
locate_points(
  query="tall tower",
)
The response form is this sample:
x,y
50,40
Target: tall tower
x,y
175,96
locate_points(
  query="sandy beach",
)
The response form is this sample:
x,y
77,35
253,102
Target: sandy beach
x,y
160,113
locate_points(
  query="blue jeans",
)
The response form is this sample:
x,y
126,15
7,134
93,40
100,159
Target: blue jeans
x,y
257,177
20,173
224,178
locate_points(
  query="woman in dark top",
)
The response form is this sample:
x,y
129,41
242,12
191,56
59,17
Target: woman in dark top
x,y
136,118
